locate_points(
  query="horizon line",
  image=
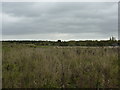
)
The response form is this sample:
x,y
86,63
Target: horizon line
x,y
55,40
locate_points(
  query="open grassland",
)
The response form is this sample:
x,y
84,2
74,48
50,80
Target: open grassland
x,y
26,66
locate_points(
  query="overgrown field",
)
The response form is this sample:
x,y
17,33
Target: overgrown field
x,y
47,67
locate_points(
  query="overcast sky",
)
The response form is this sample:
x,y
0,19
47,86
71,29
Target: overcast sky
x,y
59,20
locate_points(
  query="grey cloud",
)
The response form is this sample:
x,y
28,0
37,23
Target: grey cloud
x,y
72,18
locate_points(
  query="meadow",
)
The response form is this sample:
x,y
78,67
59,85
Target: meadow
x,y
30,66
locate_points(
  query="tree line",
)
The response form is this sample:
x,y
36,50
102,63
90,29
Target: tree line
x,y
68,43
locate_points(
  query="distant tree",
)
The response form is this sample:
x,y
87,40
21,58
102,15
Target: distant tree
x,y
112,38
59,41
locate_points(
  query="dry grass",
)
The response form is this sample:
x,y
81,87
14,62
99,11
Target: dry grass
x,y
26,67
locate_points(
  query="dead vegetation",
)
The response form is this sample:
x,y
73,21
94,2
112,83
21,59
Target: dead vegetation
x,y
29,67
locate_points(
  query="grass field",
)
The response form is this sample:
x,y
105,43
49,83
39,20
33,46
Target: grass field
x,y
27,66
